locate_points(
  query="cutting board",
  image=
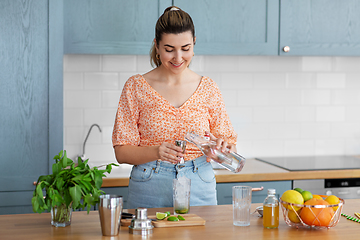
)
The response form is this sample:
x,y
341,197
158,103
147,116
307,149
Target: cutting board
x,y
190,220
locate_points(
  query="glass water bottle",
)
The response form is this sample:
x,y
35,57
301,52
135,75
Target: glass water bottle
x,y
271,210
230,160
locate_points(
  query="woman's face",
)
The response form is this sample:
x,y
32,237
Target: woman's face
x,y
176,51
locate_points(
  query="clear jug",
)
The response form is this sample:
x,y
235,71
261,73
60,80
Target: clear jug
x,y
230,160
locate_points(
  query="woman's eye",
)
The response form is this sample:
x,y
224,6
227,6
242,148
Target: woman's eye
x,y
168,50
187,49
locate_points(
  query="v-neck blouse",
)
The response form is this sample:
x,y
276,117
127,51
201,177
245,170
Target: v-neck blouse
x,y
145,118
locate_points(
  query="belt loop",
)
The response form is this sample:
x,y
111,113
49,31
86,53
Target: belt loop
x,y
195,167
157,168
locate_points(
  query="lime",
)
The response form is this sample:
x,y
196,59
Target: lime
x,y
167,214
181,218
307,195
160,215
172,218
182,211
298,189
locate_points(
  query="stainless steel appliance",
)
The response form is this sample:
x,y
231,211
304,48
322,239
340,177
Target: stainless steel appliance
x,y
342,187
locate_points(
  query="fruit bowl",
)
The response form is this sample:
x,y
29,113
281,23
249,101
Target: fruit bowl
x,y
311,216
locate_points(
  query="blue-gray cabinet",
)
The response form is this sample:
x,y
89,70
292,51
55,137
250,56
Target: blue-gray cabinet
x,y
231,27
320,27
224,190
234,27
31,102
111,26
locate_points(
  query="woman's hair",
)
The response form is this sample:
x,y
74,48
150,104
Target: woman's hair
x,y
175,21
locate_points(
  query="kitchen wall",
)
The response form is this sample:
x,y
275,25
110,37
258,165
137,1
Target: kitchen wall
x,y
279,106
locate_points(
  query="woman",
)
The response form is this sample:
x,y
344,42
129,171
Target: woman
x,y
159,107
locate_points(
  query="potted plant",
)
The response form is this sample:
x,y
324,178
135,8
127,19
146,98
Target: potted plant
x,y
70,186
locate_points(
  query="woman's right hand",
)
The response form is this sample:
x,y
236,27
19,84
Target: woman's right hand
x,y
170,152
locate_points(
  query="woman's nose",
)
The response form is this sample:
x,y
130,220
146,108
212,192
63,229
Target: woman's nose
x,y
178,56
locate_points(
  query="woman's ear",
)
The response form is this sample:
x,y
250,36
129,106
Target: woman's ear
x,y
194,40
156,46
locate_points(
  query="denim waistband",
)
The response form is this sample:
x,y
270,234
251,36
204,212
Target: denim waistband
x,y
166,166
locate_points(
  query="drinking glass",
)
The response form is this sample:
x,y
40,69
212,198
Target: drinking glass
x,y
181,195
241,205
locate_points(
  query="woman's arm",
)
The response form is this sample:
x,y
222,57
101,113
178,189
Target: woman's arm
x,y
136,155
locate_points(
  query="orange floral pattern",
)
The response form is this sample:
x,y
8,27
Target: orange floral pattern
x,y
145,118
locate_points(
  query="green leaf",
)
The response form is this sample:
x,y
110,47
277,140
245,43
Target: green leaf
x,y
64,160
60,184
35,204
56,168
76,195
98,180
39,191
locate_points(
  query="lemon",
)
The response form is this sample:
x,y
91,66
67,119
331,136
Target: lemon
x,y
298,189
173,218
292,196
306,195
181,218
293,216
160,215
332,199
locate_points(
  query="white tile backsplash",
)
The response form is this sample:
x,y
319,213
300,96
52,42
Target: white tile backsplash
x,y
279,106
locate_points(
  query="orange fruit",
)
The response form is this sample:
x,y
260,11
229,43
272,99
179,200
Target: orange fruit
x,y
317,216
318,197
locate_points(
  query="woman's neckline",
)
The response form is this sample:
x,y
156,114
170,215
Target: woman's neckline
x,y
165,100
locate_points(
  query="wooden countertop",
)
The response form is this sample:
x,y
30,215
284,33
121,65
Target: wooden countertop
x,y
218,226
253,171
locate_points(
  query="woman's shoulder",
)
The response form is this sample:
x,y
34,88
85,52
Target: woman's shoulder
x,y
209,83
134,81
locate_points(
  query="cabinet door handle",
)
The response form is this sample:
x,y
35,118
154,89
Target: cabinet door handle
x,y
257,189
286,49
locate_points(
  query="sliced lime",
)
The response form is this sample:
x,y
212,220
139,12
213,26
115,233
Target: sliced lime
x,y
172,218
168,214
181,218
160,215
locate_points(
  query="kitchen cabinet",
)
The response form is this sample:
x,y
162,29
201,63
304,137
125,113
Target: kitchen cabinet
x,y
224,190
112,26
31,97
320,27
234,27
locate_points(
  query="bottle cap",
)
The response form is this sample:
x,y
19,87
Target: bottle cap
x,y
271,191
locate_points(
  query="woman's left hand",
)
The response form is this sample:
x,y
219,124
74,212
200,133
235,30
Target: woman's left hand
x,y
221,144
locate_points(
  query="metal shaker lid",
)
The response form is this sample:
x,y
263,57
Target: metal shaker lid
x,y
141,225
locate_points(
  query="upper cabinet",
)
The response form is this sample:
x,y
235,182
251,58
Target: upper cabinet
x,y
234,27
231,27
320,27
111,26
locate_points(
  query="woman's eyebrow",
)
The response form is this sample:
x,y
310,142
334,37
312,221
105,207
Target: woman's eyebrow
x,y
167,45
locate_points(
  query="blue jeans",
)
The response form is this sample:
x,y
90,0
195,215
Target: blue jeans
x,y
150,184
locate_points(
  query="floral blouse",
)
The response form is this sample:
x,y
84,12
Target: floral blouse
x,y
145,118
